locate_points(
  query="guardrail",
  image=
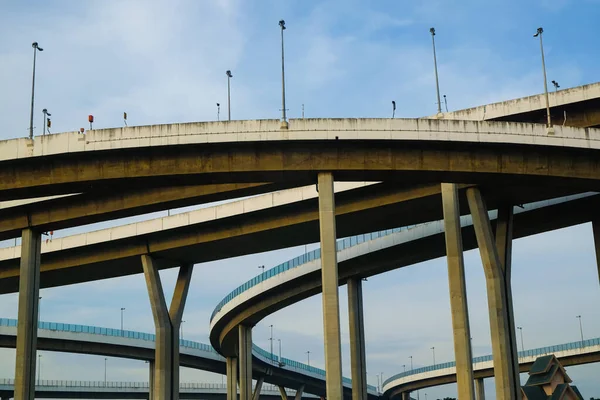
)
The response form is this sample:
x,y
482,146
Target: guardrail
x,y
521,354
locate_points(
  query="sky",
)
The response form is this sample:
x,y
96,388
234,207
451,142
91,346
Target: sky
x,y
164,62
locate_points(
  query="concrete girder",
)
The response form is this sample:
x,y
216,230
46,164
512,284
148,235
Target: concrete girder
x,y
329,278
458,292
29,290
167,323
502,349
87,208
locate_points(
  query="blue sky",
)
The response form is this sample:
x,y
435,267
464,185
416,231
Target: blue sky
x,y
165,62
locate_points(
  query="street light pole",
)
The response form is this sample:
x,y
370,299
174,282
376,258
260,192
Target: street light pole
x,y
36,48
539,33
308,357
181,328
580,329
284,123
279,340
229,76
39,309
39,369
122,309
46,115
437,83
271,340
520,328
411,365
105,359
433,349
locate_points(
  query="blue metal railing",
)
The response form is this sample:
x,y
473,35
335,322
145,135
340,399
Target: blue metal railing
x,y
95,330
522,354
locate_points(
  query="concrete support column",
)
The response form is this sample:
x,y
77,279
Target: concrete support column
x,y
151,380
357,339
282,393
258,388
480,389
458,292
29,291
405,395
299,393
329,277
596,229
245,361
166,322
498,298
232,369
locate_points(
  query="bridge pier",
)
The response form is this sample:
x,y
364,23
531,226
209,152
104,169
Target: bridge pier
x,y
329,278
406,396
231,365
167,322
245,361
258,388
480,388
151,380
29,291
495,256
596,230
458,292
357,339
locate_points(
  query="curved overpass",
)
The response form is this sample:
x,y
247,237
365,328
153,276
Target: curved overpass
x,y
84,339
371,254
574,353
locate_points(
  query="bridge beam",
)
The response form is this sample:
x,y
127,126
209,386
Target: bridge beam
x,y
258,388
166,323
231,365
480,389
357,339
329,277
499,299
29,291
596,229
245,361
458,292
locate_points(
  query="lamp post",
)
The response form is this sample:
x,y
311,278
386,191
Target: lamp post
x,y
218,112
308,357
433,349
229,76
271,340
539,33
556,86
284,123
404,367
39,309
181,328
105,359
279,340
39,369
437,83
46,115
520,328
262,267
580,329
393,109
36,48
122,309
411,365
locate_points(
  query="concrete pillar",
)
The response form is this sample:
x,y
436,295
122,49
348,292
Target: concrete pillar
x,y
480,389
596,230
329,278
232,378
357,339
406,396
245,361
458,292
502,351
166,322
151,380
299,393
282,393
258,388
29,291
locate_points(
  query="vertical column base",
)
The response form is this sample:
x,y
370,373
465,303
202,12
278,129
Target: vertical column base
x,y
245,361
480,389
232,379
357,339
406,396
299,393
282,393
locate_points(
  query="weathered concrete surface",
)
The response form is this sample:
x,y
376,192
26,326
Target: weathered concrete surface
x,y
245,362
358,361
480,389
29,291
581,105
96,206
458,292
258,388
329,278
167,322
506,386
353,149
232,379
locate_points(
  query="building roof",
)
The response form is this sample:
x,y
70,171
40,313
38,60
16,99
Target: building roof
x,y
541,365
543,370
534,393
